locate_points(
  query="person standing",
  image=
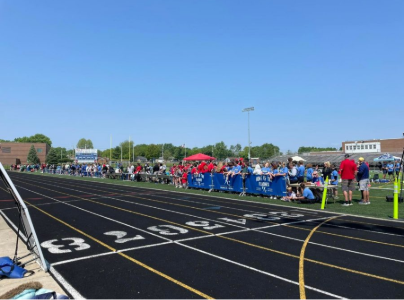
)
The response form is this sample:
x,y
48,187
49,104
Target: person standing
x,y
309,173
300,172
390,170
347,171
363,179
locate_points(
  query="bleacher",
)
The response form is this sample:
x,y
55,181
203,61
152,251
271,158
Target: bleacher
x,y
319,159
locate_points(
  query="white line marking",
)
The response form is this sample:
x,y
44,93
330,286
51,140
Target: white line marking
x,y
145,205
71,290
332,247
218,197
98,215
107,253
259,230
260,271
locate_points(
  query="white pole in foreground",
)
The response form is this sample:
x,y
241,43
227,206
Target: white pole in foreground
x,y
249,143
129,150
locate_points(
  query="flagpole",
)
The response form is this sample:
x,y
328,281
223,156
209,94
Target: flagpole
x,y
129,150
110,148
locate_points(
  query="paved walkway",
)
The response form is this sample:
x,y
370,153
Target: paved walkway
x,y
7,248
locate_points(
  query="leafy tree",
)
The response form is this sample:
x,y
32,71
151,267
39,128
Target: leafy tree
x,y
167,154
32,156
153,151
37,138
3,141
235,149
221,151
85,144
52,157
62,154
140,150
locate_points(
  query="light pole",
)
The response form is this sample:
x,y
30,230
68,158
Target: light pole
x,y
249,143
121,153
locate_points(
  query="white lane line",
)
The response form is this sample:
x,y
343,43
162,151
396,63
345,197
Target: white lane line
x,y
231,232
177,199
145,246
101,216
253,229
360,229
195,238
331,247
217,197
71,290
260,271
81,258
107,253
150,206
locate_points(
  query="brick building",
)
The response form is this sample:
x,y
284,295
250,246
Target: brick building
x,y
372,146
17,153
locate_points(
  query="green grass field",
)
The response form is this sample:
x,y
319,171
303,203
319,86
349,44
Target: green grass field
x,y
378,208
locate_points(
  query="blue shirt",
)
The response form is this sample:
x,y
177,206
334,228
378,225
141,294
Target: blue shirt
x,y
390,167
300,171
236,169
363,172
309,174
334,175
318,178
265,170
397,166
285,171
308,194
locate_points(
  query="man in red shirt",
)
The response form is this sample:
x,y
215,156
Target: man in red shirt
x,y
348,170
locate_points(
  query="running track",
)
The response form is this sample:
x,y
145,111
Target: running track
x,y
110,241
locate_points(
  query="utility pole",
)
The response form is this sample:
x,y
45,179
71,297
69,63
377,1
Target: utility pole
x,y
249,143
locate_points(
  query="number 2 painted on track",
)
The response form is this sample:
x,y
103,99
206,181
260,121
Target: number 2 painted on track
x,y
121,234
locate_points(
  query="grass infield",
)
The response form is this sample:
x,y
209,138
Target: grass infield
x,y
378,208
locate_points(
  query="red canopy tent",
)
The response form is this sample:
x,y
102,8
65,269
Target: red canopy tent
x,y
199,156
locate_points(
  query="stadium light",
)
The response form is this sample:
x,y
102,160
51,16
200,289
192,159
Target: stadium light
x,y
248,109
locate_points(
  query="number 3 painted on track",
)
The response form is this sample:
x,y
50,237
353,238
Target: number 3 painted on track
x,y
56,249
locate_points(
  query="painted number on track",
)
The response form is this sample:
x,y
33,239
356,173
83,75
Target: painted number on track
x,y
204,224
77,243
168,229
120,234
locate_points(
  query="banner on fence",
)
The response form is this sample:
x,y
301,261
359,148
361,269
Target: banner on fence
x,y
253,184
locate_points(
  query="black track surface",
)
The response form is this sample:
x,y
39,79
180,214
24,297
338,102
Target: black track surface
x,y
193,246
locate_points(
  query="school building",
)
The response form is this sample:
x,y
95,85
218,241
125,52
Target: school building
x,y
17,153
374,146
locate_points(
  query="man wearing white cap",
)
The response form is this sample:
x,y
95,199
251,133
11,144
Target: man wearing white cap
x,y
363,178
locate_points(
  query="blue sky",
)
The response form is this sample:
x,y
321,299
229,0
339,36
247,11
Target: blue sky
x,y
317,72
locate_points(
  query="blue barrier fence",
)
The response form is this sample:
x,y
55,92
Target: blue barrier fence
x,y
254,184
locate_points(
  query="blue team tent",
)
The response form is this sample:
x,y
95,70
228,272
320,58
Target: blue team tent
x,y
385,157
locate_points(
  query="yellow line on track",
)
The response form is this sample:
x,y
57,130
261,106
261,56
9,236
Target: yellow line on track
x,y
238,216
302,289
126,256
196,195
242,242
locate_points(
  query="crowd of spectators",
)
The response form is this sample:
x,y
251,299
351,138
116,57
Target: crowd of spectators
x,y
299,177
